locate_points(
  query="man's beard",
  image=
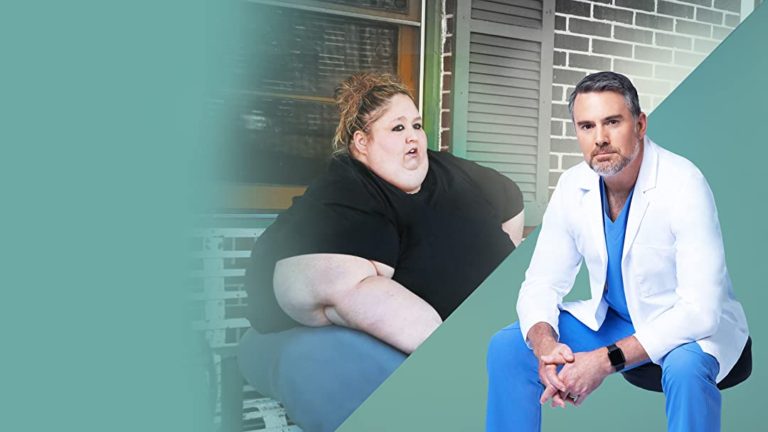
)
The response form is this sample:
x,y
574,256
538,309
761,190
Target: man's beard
x,y
613,167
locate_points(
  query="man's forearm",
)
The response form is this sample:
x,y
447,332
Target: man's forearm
x,y
387,310
633,351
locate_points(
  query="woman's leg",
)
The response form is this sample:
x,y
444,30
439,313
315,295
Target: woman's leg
x,y
320,374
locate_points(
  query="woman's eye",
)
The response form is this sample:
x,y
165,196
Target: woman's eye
x,y
398,128
417,126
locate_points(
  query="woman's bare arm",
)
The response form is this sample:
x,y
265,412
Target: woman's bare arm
x,y
514,228
324,289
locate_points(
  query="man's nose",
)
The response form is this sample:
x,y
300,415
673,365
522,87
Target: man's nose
x,y
601,136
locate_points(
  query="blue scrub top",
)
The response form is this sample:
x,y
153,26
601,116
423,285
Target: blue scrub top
x,y
614,242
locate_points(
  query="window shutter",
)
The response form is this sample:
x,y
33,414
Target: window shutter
x,y
503,91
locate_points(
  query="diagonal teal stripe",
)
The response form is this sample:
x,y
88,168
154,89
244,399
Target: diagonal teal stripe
x,y
717,118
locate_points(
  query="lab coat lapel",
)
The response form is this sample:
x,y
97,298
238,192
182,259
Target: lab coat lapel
x,y
646,180
592,210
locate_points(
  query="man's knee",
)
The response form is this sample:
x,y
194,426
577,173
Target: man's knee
x,y
687,364
508,349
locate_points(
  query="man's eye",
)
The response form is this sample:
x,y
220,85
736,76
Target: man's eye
x,y
586,127
613,122
417,126
398,128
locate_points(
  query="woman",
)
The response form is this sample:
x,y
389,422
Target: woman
x,y
374,256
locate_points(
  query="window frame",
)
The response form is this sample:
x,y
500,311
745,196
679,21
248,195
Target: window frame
x,y
465,26
237,197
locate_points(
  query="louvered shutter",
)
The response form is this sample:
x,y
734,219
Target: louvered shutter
x,y
502,95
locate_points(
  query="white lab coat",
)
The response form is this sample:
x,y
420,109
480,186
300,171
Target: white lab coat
x,y
673,264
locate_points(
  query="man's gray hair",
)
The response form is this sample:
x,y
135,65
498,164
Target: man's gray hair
x,y
607,81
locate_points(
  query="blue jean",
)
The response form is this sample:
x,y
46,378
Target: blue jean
x,y
688,377
321,374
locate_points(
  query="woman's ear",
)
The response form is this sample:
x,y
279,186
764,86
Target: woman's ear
x,y
360,143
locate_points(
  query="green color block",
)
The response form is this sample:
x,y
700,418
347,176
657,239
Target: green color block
x,y
103,156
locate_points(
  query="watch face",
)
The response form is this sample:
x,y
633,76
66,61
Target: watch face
x,y
616,356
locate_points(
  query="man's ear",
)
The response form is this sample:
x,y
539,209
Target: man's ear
x,y
360,143
642,125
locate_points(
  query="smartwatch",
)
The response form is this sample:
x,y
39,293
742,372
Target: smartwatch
x,y
616,356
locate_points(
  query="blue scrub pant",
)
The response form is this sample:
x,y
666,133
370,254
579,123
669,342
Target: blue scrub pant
x,y
320,374
688,377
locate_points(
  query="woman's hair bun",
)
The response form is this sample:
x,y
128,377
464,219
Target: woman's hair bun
x,y
360,99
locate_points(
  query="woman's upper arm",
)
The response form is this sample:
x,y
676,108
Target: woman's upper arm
x,y
305,284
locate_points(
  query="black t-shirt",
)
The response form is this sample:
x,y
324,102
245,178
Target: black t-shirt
x,y
442,241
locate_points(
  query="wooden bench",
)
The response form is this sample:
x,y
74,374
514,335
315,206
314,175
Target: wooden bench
x,y
219,301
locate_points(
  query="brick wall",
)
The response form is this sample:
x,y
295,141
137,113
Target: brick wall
x,y
448,26
656,43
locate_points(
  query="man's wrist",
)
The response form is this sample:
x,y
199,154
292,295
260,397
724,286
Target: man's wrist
x,y
543,345
616,357
605,362
542,339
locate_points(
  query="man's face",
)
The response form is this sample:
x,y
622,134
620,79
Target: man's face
x,y
609,137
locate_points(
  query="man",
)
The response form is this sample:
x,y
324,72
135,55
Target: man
x,y
644,221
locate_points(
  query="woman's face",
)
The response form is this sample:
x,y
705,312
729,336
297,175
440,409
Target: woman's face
x,y
395,147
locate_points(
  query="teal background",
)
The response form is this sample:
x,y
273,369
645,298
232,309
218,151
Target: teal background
x,y
716,118
102,156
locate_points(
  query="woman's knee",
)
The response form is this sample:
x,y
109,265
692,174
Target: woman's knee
x,y
324,357
257,357
324,374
